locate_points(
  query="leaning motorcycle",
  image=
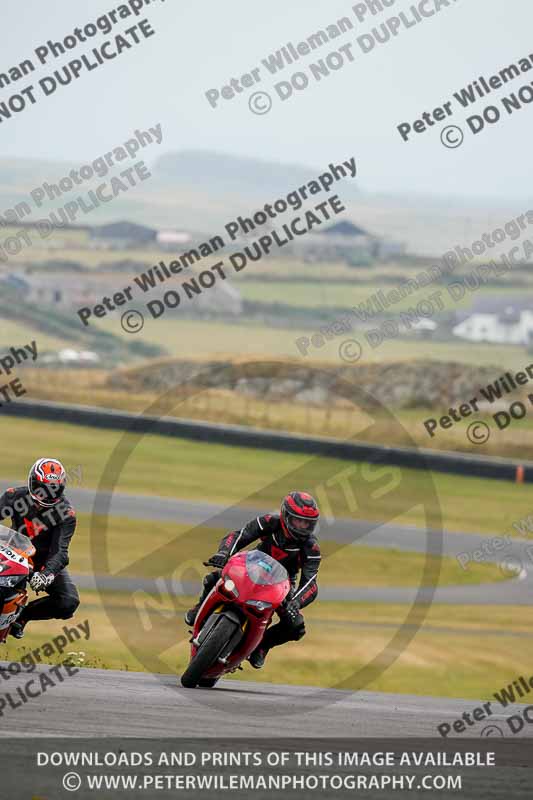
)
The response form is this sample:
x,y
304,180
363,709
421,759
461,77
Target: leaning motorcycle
x,y
233,618
16,568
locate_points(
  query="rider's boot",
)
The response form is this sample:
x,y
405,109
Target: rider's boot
x,y
190,615
208,583
257,658
17,629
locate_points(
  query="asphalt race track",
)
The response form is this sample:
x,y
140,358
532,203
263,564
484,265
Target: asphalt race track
x,y
137,704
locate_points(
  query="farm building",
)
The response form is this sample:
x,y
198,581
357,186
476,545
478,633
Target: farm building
x,y
498,321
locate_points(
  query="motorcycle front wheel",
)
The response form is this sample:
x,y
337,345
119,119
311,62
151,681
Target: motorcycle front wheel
x,y
207,654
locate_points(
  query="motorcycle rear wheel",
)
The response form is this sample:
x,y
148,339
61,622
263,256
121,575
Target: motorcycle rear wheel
x,y
207,654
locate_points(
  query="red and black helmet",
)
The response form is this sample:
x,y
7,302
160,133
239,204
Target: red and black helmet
x,y
46,481
299,515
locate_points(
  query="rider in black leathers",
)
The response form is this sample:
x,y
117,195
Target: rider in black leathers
x,y
290,538
41,511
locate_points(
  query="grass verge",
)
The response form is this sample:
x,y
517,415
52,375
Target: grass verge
x,y
229,475
233,475
149,551
461,652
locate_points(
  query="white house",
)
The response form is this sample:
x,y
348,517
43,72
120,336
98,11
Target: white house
x,y
173,240
75,357
425,327
509,327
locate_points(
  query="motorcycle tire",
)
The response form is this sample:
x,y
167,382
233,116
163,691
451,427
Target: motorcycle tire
x,y
207,683
208,653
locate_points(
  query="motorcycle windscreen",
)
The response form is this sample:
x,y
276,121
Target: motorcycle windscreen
x,y
264,570
15,540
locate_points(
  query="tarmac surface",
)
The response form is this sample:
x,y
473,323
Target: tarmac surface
x,y
138,704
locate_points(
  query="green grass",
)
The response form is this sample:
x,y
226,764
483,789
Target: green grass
x,y
183,338
155,549
232,475
103,649
461,652
319,294
473,662
15,334
480,354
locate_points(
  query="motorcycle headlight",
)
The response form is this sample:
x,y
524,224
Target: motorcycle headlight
x,y
259,604
230,588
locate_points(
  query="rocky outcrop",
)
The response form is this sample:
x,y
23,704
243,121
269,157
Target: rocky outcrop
x,y
409,384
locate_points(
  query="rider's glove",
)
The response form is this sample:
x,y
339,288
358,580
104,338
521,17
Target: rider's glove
x,y
40,581
291,608
219,560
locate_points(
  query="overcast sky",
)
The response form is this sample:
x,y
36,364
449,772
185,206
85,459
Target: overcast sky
x,y
355,111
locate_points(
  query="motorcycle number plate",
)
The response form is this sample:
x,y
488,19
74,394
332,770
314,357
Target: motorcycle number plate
x,y
9,555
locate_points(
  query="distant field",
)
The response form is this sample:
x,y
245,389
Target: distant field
x,y
233,475
320,290
200,338
321,294
79,253
13,334
315,294
62,240
204,337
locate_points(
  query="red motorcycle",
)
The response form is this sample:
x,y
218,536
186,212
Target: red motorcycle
x,y
16,568
234,616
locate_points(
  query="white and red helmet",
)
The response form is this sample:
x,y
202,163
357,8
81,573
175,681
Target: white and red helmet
x,y
46,481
